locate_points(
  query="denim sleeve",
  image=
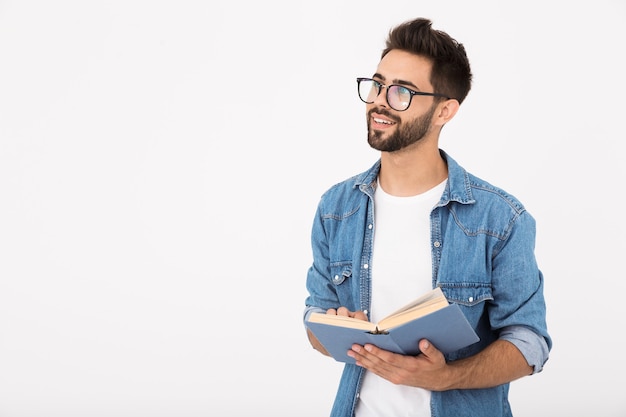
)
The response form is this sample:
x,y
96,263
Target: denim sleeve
x,y
533,346
311,309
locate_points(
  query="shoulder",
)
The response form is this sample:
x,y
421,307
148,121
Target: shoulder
x,y
479,206
467,188
486,192
350,189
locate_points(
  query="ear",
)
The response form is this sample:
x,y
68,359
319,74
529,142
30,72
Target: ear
x,y
447,110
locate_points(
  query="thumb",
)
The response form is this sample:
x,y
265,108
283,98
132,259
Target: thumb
x,y
430,351
427,348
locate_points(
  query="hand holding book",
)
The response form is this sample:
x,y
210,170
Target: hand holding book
x,y
428,317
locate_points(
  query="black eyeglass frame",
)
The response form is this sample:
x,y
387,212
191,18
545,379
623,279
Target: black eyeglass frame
x,y
380,88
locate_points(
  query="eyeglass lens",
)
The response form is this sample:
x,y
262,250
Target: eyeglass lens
x,y
398,97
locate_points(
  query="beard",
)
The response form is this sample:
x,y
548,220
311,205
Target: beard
x,y
406,133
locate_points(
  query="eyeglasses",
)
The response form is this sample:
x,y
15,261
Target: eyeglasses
x,y
398,97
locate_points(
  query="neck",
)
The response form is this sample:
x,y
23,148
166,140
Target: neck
x,y
411,171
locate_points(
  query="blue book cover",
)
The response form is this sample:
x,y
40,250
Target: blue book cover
x,y
447,329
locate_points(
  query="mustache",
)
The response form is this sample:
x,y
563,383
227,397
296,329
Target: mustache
x,y
383,112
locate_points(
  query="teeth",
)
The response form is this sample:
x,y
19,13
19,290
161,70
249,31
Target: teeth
x,y
382,121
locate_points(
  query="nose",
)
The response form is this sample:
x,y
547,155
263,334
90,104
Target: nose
x,y
381,98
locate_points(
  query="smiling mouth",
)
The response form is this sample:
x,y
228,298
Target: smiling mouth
x,y
379,123
382,121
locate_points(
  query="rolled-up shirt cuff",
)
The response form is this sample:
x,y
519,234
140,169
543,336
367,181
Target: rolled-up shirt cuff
x,y
532,346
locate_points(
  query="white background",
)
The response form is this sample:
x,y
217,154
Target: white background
x,y
160,164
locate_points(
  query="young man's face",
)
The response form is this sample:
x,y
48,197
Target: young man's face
x,y
390,130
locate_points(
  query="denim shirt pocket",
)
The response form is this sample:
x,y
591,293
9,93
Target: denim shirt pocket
x,y
341,274
472,298
468,294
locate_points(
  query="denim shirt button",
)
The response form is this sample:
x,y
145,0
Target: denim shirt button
x,y
336,278
366,266
369,226
470,299
437,244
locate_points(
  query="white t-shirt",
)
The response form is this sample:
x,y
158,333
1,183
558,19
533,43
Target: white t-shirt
x,y
401,270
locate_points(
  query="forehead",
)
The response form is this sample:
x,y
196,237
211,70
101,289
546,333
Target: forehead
x,y
401,65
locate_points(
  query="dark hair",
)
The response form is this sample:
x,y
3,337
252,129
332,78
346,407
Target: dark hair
x,y
451,74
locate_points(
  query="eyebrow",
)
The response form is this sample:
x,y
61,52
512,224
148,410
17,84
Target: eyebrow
x,y
397,81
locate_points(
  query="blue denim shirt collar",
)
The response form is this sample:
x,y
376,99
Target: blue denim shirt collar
x,y
457,189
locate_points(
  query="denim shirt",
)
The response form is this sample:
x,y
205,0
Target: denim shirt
x,y
482,242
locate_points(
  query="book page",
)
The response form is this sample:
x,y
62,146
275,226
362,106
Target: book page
x,y
342,321
429,302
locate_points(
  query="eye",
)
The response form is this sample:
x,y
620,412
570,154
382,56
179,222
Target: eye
x,y
402,91
403,94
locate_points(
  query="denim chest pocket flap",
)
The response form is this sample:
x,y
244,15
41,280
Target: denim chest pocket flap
x,y
340,273
467,294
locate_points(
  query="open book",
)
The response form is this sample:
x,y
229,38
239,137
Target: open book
x,y
430,317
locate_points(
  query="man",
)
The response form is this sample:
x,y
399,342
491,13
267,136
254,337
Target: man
x,y
416,220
